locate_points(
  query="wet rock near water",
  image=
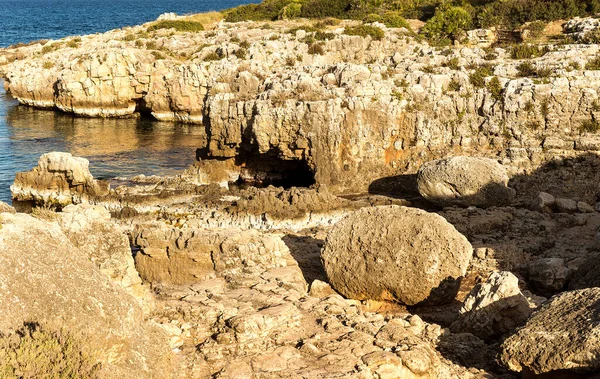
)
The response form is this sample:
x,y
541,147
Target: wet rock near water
x,y
59,179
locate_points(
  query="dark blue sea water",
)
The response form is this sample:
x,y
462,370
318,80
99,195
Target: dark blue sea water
x,y
123,147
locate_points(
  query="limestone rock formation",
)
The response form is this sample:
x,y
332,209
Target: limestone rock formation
x,y
395,253
58,179
5,208
493,307
561,335
89,229
465,181
173,256
46,279
361,111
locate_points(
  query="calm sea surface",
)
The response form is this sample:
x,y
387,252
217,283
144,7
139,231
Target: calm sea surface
x,y
123,147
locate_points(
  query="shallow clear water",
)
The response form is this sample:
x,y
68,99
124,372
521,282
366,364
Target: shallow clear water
x,y
115,147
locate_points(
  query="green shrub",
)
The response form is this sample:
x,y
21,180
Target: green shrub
x,y
179,25
452,63
129,37
592,37
36,352
477,78
447,24
316,49
48,65
323,36
513,13
526,69
159,55
212,56
394,20
590,126
365,30
151,45
326,8
241,53
536,28
292,10
594,64
454,86
495,88
524,51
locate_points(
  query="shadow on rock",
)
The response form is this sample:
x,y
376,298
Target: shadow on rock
x,y
307,252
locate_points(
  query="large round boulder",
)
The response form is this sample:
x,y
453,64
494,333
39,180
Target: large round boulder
x,y
396,253
563,335
465,181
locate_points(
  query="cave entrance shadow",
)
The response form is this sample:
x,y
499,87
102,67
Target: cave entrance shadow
x,y
307,253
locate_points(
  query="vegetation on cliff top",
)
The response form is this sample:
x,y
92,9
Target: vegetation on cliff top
x,y
445,20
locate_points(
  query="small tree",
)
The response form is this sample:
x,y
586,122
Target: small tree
x,y
447,24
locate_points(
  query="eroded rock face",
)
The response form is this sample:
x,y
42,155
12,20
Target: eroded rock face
x,y
89,229
46,279
494,307
465,181
186,256
561,335
395,253
58,179
341,114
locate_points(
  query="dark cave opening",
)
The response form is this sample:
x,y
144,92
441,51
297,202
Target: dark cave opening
x,y
270,169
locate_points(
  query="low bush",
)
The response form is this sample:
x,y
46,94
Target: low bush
x,y
290,11
326,8
178,25
524,51
495,88
590,126
477,78
36,352
364,31
594,64
316,49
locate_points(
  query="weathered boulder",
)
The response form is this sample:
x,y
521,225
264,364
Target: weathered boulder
x,y
46,279
548,275
465,181
5,208
58,179
561,335
395,253
493,307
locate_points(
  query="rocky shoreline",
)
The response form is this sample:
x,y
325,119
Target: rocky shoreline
x,y
420,226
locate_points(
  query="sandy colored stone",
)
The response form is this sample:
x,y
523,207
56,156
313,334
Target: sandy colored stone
x,y
395,253
561,335
465,181
46,279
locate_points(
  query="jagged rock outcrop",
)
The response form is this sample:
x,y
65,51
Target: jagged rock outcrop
x,y
493,307
562,335
465,181
395,253
58,179
46,279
